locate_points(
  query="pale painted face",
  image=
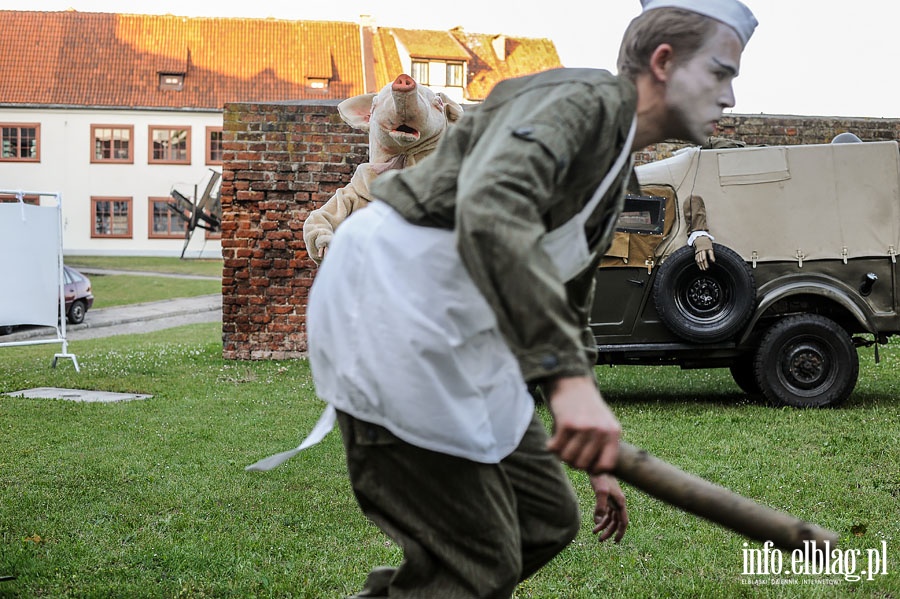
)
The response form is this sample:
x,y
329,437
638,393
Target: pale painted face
x,y
700,89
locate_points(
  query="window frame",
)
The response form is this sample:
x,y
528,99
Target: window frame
x,y
462,74
170,128
128,160
171,81
112,199
9,198
423,66
37,142
173,218
209,144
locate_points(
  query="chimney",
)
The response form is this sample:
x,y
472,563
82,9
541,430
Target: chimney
x,y
367,37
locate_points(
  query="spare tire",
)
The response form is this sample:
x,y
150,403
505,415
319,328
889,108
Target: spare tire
x,y
704,306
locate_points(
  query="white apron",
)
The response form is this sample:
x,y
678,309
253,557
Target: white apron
x,y
400,336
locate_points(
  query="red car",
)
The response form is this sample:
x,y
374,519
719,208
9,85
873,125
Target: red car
x,y
78,298
78,295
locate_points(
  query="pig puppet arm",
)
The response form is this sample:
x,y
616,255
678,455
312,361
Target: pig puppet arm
x,y
319,227
387,149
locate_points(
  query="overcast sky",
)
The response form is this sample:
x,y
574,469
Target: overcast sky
x,y
807,57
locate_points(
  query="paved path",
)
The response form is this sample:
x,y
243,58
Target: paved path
x,y
133,318
137,273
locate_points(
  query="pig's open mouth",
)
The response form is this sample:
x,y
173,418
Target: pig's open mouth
x,y
405,133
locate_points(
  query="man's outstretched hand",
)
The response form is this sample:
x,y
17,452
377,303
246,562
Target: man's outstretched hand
x,y
586,433
610,513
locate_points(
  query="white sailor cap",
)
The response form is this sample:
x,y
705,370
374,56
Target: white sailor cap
x,y
731,12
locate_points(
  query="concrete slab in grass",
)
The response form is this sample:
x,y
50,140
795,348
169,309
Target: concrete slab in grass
x,y
83,395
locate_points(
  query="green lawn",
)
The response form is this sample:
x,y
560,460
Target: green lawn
x,y
209,267
118,290
150,498
122,289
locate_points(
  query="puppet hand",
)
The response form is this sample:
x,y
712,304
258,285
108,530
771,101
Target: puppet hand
x,y
703,252
586,434
321,245
610,513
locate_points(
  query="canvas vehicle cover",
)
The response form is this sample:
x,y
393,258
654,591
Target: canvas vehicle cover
x,y
791,203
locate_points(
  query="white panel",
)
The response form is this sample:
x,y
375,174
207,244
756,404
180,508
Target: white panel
x,y
29,264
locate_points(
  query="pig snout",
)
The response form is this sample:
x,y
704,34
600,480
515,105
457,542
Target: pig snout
x,y
403,83
407,109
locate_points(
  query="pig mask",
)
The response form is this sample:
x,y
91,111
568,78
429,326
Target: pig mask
x,y
404,120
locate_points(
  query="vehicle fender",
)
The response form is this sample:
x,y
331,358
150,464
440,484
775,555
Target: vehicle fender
x,y
829,289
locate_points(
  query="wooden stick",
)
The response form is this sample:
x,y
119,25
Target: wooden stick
x,y
717,504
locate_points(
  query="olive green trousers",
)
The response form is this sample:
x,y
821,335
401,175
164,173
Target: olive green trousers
x,y
466,529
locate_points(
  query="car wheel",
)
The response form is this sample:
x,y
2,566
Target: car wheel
x,y
744,374
76,312
704,306
806,361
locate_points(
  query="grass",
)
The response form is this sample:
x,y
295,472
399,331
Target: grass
x,y
150,498
122,289
118,290
206,266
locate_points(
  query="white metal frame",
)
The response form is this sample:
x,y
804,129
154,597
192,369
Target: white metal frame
x,y
61,325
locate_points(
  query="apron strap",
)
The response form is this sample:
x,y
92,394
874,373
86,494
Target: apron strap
x,y
322,428
610,177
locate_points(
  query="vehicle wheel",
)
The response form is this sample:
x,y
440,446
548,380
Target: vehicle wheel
x,y
806,361
704,306
76,312
744,374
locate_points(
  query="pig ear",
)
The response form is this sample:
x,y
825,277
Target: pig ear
x,y
357,111
453,110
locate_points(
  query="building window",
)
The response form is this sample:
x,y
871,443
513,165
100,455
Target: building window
x,y
20,142
171,81
164,223
213,145
112,143
317,83
111,217
170,145
454,74
28,199
419,72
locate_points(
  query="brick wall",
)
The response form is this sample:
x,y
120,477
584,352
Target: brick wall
x,y
283,160
775,130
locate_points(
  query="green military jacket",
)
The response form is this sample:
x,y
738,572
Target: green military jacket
x,y
522,163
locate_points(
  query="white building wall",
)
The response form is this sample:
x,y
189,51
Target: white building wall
x,y
65,167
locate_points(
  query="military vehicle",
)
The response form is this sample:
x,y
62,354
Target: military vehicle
x,y
805,271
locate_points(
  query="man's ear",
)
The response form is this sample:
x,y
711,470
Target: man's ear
x,y
662,61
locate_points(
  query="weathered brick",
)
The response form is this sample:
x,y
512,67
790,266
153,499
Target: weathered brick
x,y
282,161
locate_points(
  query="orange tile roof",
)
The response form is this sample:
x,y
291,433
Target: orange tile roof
x,y
114,60
99,59
523,57
430,44
387,59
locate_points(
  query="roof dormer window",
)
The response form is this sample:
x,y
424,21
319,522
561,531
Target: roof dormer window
x,y
318,83
420,72
171,81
